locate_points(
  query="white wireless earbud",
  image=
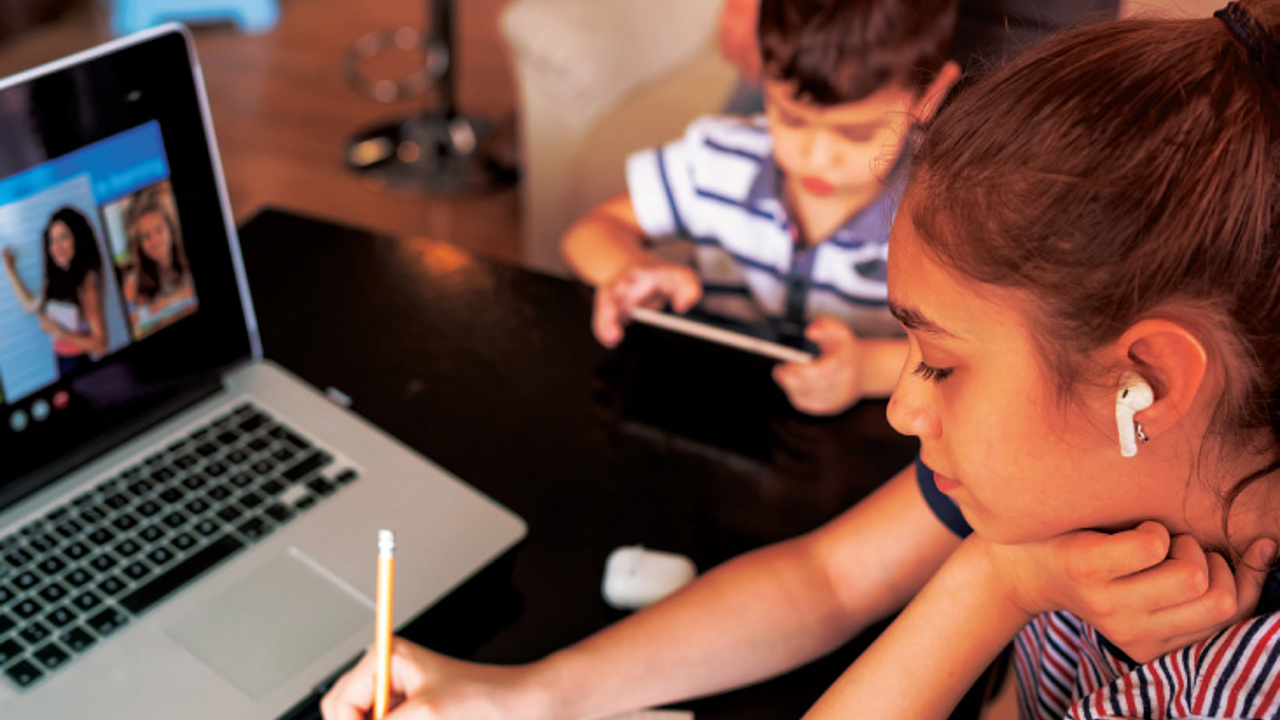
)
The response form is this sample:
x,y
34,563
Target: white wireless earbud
x,y
1133,396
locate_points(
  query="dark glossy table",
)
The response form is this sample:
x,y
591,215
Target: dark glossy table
x,y
491,370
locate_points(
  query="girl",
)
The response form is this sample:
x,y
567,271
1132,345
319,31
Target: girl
x,y
1103,214
69,305
159,277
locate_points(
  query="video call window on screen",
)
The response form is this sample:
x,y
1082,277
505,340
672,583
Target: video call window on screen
x,y
93,259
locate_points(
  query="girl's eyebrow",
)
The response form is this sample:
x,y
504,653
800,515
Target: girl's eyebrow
x,y
915,320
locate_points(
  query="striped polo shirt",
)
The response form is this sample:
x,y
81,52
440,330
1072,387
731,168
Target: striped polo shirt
x,y
719,188
1067,669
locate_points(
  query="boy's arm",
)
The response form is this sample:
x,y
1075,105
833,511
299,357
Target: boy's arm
x,y
847,369
605,242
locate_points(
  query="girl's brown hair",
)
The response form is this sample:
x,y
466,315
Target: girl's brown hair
x,y
1122,171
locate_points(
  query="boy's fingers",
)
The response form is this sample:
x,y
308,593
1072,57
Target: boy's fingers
x,y
606,322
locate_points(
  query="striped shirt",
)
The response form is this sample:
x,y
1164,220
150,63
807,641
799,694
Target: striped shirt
x,y
1067,669
718,188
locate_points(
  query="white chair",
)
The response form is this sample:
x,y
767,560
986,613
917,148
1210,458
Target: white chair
x,y
597,80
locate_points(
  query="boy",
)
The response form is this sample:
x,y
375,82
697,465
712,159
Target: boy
x,y
788,214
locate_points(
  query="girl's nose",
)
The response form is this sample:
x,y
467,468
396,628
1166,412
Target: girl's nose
x,y
910,411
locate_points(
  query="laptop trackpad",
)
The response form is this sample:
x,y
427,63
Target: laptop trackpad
x,y
272,624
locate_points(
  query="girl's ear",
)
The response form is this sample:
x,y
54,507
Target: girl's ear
x,y
1174,362
930,99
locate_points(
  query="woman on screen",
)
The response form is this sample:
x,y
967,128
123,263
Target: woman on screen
x,y
158,288
69,305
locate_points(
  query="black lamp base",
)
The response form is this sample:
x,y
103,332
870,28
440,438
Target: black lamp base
x,y
432,153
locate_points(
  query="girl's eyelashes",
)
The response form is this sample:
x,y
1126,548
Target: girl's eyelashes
x,y
931,373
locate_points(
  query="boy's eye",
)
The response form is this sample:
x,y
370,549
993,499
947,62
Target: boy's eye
x,y
790,120
931,373
860,133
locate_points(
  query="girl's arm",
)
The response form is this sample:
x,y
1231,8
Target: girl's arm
x,y
923,664
95,340
759,615
29,302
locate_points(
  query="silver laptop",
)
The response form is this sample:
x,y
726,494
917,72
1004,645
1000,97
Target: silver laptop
x,y
186,530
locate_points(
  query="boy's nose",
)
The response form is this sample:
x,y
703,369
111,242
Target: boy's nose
x,y
819,150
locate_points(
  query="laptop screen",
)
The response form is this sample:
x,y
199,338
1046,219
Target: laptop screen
x,y
119,299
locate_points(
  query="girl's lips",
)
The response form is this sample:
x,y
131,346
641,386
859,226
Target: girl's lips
x,y
944,483
816,186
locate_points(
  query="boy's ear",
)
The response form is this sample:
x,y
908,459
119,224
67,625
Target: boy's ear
x,y
930,99
1173,361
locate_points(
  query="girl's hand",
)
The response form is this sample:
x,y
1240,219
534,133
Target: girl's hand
x,y
50,327
1146,592
649,284
428,685
830,384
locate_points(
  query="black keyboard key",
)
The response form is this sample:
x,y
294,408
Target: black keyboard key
x,y
9,649
18,558
141,487
27,608
77,639
236,457
164,475
197,506
152,533
271,487
186,461
345,476
91,515
6,624
219,493
207,449
226,437
284,453
207,527
77,577
251,500
112,585
6,595
52,566
104,562
320,486
136,570
185,541
148,508
125,521
60,617
278,512
34,632
172,495
52,656
127,547
101,536
255,528
69,529
23,673
160,556
87,601
216,469
305,503
251,423
76,550
241,480
26,580
262,467
43,542
196,481
307,465
175,519
180,574
53,592
117,501
107,621
229,513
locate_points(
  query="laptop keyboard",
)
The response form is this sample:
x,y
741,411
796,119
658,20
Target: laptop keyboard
x,y
83,570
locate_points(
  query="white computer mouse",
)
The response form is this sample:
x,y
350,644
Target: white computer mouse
x,y
636,576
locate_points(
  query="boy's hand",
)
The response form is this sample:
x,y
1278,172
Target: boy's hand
x,y
1146,592
650,285
830,384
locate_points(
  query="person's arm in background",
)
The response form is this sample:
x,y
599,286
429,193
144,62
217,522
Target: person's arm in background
x,y
739,39
95,340
29,302
606,249
751,618
847,370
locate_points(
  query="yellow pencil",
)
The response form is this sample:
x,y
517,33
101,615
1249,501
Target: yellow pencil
x,y
382,622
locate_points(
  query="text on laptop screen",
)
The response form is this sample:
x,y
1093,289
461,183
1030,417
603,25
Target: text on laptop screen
x,y
118,286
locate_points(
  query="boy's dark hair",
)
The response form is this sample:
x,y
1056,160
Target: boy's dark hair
x,y
840,51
